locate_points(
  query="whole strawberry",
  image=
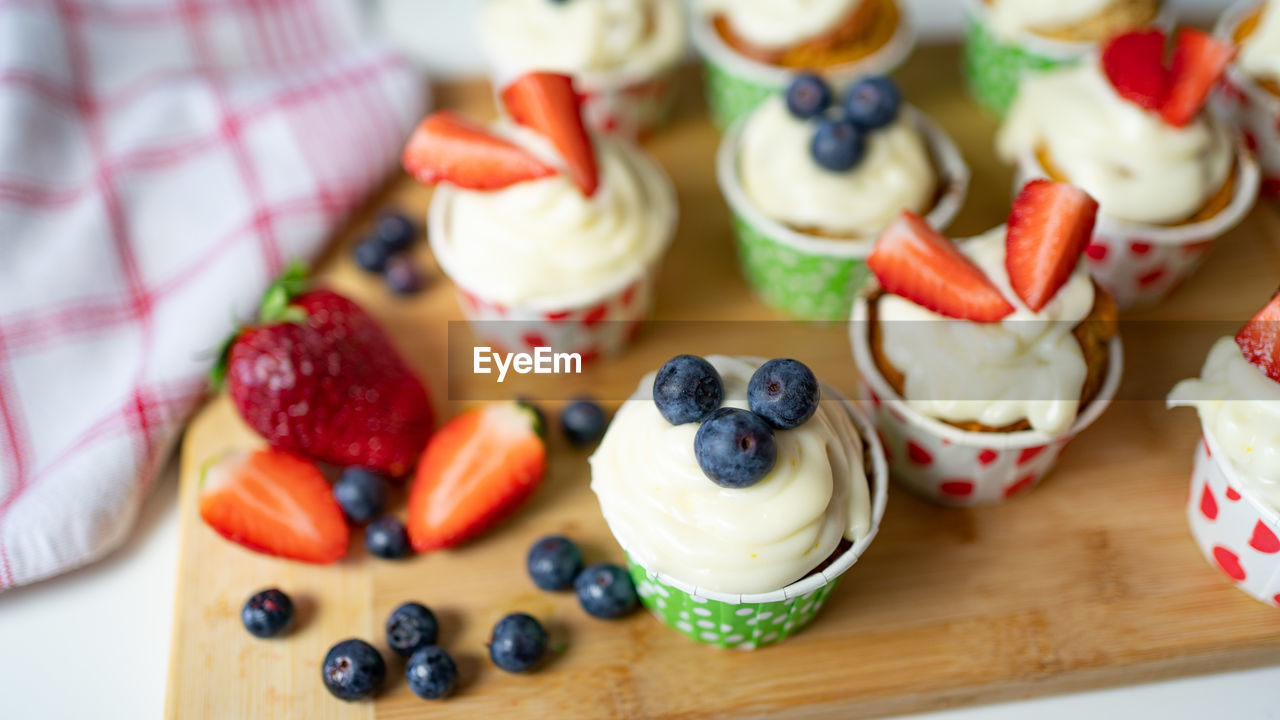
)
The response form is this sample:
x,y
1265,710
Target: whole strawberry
x,y
317,376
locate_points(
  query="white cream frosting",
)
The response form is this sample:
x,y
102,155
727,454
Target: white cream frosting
x,y
1027,366
1139,168
629,36
781,178
1240,406
779,24
1260,52
672,519
1011,18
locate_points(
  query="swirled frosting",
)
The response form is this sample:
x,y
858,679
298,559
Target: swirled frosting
x,y
1260,52
672,519
1011,18
776,24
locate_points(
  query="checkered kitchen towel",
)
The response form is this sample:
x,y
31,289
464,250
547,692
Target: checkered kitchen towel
x,y
160,161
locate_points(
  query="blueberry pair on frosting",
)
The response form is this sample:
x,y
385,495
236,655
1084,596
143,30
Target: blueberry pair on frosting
x,y
840,131
735,447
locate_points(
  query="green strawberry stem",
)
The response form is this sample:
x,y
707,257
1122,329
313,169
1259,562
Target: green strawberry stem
x,y
276,307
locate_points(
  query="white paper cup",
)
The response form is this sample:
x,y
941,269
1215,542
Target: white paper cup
x,y
1250,106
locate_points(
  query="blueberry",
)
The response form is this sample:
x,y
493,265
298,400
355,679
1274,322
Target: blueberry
x,y
402,275
410,627
687,389
808,96
553,562
386,538
605,591
267,613
518,643
872,102
431,673
361,494
395,231
784,392
735,448
371,255
837,145
583,422
353,669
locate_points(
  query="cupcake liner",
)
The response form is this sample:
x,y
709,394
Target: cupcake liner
x,y
959,467
1236,532
1141,265
748,622
631,106
1254,110
736,84
811,277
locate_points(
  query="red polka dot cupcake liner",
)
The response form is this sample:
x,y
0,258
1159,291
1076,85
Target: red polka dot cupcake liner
x,y
956,467
1237,532
1254,110
626,105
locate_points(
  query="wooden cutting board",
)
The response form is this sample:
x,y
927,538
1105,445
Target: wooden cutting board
x,y
1091,580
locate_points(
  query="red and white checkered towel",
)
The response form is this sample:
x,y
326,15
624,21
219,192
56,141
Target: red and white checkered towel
x,y
160,161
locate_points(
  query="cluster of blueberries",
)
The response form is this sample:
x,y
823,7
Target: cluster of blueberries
x,y
385,251
840,136
735,447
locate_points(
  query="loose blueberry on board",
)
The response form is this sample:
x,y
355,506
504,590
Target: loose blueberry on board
x,y
411,627
371,255
553,562
431,673
735,448
395,231
687,389
872,103
583,422
353,669
784,392
837,145
267,613
518,643
808,96
402,275
605,591
387,538
361,494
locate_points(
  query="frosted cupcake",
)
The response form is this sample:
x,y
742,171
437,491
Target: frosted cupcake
x,y
552,236
1251,94
623,54
741,492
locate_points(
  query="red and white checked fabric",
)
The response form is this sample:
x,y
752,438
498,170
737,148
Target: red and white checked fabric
x,y
160,161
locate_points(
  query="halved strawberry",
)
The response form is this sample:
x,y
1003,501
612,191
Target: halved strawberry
x,y
449,148
276,503
476,470
1199,60
1134,63
1259,339
1049,227
547,103
913,261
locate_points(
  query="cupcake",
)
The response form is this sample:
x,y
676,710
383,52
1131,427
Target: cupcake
x,y
1132,131
552,236
811,182
982,359
1010,39
622,54
1251,93
741,491
1234,502
753,47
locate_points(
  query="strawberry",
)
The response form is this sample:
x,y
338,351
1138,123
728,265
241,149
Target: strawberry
x,y
477,469
317,376
1049,227
276,503
913,261
1259,339
449,148
1199,61
1134,63
547,103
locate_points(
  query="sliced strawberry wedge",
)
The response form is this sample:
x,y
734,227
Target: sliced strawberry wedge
x,y
547,103
476,470
1199,60
913,261
275,503
1134,63
449,148
1259,339
1049,227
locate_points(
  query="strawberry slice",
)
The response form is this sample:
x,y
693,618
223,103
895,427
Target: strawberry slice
x,y
1199,61
476,471
1049,227
913,261
547,103
1134,63
275,503
449,148
1259,339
